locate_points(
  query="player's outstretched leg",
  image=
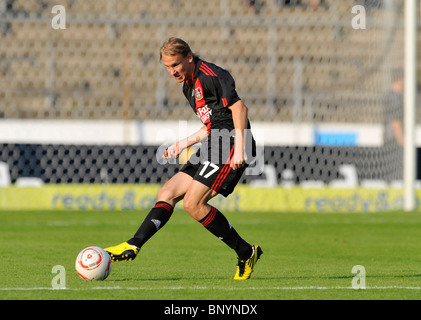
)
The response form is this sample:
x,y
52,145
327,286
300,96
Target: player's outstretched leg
x,y
155,220
168,195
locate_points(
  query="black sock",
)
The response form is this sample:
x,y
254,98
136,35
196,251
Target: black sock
x,y
219,226
156,219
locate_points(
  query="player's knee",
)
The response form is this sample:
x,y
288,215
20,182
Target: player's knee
x,y
191,206
188,204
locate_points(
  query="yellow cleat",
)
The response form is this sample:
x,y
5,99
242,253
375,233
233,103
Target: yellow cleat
x,y
122,252
245,267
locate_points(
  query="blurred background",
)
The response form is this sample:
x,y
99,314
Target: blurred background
x,y
85,104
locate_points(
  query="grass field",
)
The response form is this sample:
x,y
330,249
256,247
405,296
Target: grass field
x,y
306,256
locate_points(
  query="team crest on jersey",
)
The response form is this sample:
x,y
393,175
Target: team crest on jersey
x,y
198,93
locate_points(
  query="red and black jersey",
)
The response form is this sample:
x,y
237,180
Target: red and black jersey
x,y
210,92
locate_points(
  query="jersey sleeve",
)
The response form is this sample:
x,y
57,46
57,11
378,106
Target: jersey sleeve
x,y
229,93
221,88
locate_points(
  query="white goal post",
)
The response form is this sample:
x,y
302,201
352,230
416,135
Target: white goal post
x,y
410,97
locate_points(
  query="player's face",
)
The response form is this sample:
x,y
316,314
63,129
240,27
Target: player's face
x,y
179,67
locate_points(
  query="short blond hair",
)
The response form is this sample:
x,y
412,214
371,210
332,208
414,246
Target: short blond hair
x,y
174,46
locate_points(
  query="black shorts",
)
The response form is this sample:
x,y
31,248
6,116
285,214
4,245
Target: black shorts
x,y
212,170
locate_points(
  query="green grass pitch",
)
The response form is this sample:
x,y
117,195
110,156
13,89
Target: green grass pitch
x,y
306,256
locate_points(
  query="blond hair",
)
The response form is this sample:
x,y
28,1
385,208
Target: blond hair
x,y
174,46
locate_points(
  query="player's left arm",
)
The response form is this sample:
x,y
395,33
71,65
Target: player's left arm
x,y
239,116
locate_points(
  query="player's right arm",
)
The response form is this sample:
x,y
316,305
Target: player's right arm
x,y
174,150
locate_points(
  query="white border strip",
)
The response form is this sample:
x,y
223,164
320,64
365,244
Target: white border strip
x,y
132,132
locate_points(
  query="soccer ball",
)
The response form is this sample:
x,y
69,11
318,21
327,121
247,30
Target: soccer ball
x,y
93,263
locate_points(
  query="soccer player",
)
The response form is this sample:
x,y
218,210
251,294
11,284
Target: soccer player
x,y
215,169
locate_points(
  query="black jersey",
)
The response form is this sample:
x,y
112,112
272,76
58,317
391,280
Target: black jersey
x,y
210,92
